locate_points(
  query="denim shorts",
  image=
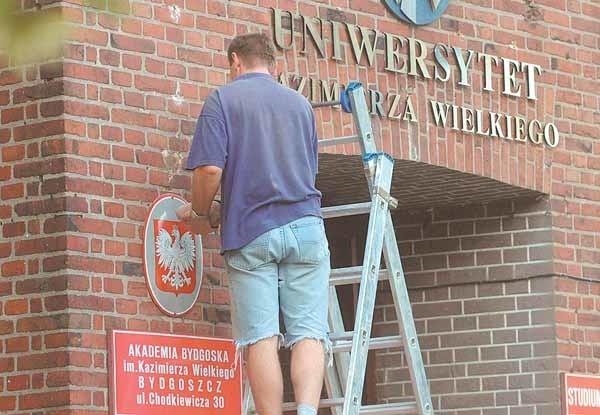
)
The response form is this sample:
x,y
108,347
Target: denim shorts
x,y
287,269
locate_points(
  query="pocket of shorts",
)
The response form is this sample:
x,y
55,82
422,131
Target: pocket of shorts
x,y
251,256
312,242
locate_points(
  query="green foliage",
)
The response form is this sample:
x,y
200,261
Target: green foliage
x,y
31,35
36,35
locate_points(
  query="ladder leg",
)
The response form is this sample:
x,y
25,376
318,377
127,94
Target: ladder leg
x,y
334,387
248,402
336,375
404,314
368,288
394,265
381,240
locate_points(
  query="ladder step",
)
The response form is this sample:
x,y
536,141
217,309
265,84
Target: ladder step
x,y
352,275
375,343
346,335
338,140
323,403
390,409
380,409
346,210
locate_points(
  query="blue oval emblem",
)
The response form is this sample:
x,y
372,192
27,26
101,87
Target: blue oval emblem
x,y
419,12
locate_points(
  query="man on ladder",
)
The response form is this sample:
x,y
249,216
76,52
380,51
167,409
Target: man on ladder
x,y
257,139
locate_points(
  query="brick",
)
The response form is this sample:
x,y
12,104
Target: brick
x,y
126,306
93,226
110,58
121,78
38,168
131,117
48,399
10,78
146,83
434,262
6,327
534,302
8,403
436,309
20,382
485,242
514,255
472,400
12,115
111,95
90,303
5,136
86,186
436,245
12,268
86,263
133,44
87,73
115,210
133,99
491,321
114,248
119,6
90,148
466,339
10,230
89,36
194,56
504,336
456,276
12,307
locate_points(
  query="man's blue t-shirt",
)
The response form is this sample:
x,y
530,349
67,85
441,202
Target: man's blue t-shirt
x,y
263,136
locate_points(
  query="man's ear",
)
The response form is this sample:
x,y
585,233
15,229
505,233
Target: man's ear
x,y
273,69
236,59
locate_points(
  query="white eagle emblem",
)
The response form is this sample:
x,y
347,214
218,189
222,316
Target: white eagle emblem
x,y
176,255
409,7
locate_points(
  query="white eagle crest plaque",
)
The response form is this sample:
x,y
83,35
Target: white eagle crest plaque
x,y
172,257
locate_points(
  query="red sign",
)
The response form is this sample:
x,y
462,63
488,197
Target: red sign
x,y
157,374
580,394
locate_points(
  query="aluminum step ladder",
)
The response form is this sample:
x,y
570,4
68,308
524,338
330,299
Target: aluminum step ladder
x,y
344,380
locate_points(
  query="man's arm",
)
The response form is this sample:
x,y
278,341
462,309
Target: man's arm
x,y
205,183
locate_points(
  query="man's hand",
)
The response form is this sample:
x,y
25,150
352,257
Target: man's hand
x,y
201,225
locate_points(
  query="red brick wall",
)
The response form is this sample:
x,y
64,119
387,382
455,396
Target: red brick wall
x,y
33,243
577,316
483,301
87,144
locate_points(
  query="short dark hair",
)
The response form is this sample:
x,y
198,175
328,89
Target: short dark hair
x,y
253,49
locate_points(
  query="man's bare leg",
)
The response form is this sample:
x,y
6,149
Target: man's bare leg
x,y
308,367
264,373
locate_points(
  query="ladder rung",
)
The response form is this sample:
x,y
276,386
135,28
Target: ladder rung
x,y
338,140
390,409
352,275
346,210
323,403
375,343
380,409
346,335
